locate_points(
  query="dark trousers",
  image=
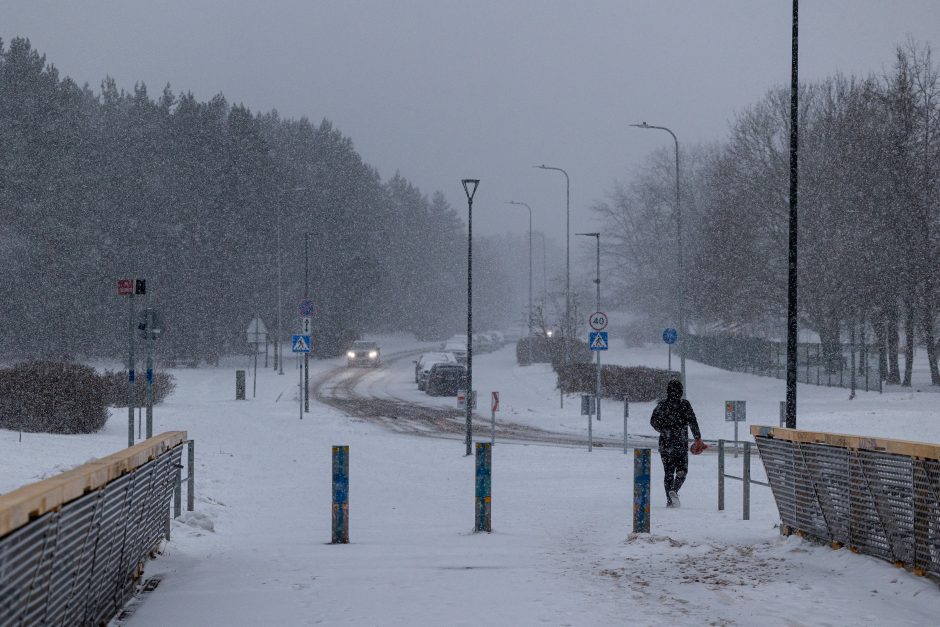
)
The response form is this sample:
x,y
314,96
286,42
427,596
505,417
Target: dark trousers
x,y
676,465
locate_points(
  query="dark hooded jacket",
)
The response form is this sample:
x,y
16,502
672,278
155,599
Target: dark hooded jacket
x,y
672,418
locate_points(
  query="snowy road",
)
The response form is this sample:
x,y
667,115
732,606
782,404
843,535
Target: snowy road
x,y
256,552
376,394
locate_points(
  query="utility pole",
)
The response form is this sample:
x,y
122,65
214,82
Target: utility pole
x,y
306,390
513,202
597,282
792,311
470,188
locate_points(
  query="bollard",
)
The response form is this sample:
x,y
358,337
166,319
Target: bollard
x,y
239,385
340,495
746,477
641,490
178,492
484,469
191,479
721,475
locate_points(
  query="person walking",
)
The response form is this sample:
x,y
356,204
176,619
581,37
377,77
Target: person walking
x,y
672,418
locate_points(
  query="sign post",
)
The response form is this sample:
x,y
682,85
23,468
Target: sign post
x,y
669,337
125,287
150,325
598,321
300,344
306,309
587,409
735,411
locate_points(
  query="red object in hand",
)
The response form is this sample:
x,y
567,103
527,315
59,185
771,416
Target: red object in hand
x,y
697,447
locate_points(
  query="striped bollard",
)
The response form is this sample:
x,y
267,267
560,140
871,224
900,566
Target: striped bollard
x,y
484,467
641,490
340,495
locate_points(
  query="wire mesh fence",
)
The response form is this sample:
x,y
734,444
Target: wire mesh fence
x,y
878,497
858,367
78,563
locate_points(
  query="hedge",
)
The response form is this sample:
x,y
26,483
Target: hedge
x,y
49,397
115,385
635,384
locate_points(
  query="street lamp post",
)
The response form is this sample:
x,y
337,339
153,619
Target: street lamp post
x,y
469,188
681,305
513,202
279,344
306,295
567,261
544,271
597,282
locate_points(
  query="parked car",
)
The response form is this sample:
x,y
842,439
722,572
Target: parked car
x,y
446,379
425,361
366,354
458,348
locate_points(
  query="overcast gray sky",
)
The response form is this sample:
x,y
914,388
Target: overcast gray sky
x,y
442,90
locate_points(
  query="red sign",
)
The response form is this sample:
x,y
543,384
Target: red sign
x,y
125,287
495,401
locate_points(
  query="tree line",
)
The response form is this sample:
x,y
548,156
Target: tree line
x,y
869,176
199,198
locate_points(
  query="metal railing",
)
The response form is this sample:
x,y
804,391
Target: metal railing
x,y
72,547
876,496
767,358
745,478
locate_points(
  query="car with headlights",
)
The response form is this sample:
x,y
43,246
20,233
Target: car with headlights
x,y
425,361
364,354
446,380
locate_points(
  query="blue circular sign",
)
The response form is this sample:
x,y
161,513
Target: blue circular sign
x,y
306,307
670,335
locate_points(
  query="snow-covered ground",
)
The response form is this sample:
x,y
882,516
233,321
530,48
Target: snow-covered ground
x,y
256,549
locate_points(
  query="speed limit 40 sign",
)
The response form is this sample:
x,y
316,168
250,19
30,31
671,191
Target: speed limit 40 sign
x,y
598,320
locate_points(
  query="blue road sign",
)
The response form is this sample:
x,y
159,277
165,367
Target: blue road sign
x,y
306,307
670,335
598,340
300,343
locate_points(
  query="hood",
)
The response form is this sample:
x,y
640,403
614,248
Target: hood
x,y
674,390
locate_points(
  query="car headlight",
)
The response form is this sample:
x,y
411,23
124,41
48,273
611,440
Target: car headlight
x,y
351,355
373,354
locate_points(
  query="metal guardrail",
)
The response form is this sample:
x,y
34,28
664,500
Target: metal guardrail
x,y
745,478
879,497
73,546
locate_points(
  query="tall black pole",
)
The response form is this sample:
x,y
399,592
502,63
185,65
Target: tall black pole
x,y
792,324
680,279
529,326
470,187
306,295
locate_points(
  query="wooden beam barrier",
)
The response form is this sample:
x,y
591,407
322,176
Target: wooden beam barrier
x,y
921,450
31,501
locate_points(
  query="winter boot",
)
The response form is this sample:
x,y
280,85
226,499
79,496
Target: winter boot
x,y
672,500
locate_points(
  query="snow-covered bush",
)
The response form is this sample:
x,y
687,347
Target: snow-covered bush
x,y
116,388
50,397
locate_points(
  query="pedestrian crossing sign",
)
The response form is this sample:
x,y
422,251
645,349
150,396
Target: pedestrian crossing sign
x,y
300,343
598,340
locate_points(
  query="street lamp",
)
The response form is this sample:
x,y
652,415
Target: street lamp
x,y
306,295
567,261
469,188
544,272
597,282
681,305
513,202
279,345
